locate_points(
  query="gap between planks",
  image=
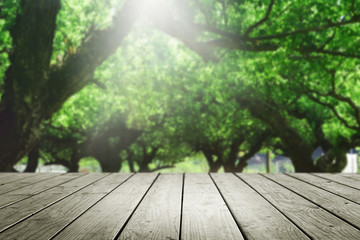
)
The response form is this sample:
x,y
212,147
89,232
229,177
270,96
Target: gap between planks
x,y
23,210
340,207
18,195
312,219
256,217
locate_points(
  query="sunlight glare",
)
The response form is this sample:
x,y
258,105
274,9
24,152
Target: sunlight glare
x,y
158,8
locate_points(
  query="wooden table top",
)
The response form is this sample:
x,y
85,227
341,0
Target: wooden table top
x,y
179,206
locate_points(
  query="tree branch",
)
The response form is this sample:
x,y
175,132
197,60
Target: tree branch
x,y
213,29
238,45
327,41
223,5
354,19
255,147
351,103
261,21
333,93
308,92
98,83
202,9
79,67
328,52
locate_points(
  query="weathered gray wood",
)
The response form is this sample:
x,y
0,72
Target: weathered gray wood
x,y
315,221
46,223
334,187
6,178
83,208
205,214
337,205
340,179
355,176
23,182
158,215
106,218
27,207
28,191
257,218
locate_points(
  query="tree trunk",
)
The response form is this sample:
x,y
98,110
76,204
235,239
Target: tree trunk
x,y
229,167
213,166
254,148
147,157
144,167
340,163
229,163
33,159
108,157
303,163
242,164
34,90
75,158
21,108
332,161
109,162
131,164
297,148
107,166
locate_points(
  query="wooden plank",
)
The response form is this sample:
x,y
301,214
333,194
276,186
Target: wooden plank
x,y
257,218
205,214
340,179
315,221
334,187
107,217
6,178
21,210
46,223
339,206
355,176
23,182
31,190
158,215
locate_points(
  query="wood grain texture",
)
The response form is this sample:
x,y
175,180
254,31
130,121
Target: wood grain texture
x,y
150,206
31,190
46,223
315,221
355,176
106,218
334,187
26,181
205,214
6,178
30,206
340,179
158,215
257,218
337,205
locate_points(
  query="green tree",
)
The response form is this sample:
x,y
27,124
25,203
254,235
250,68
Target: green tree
x,y
51,51
68,145
34,89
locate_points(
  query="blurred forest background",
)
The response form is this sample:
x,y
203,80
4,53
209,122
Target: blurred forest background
x,y
179,85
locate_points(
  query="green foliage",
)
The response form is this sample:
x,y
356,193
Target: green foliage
x,y
307,80
84,110
75,20
89,164
166,90
8,9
